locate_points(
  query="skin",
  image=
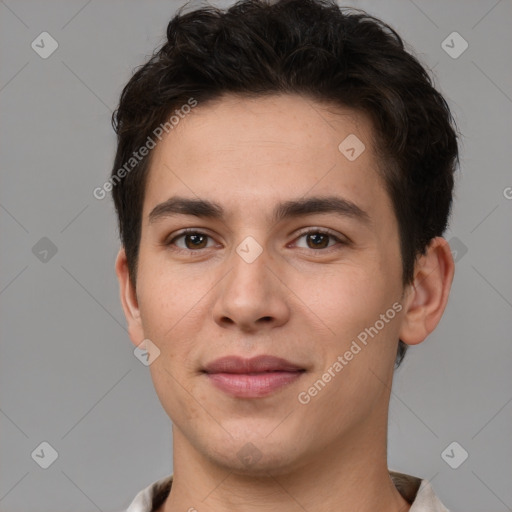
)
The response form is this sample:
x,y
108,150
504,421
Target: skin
x,y
295,301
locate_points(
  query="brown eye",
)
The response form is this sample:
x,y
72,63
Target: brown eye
x,y
196,241
191,241
317,240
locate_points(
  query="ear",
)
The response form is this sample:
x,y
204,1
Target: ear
x,y
129,299
427,296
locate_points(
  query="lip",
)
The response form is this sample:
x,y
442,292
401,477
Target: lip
x,y
252,378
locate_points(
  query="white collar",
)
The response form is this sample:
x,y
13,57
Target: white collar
x,y
415,490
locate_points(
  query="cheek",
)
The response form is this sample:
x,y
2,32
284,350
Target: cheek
x,y
169,310
170,320
350,301
347,298
174,392
166,293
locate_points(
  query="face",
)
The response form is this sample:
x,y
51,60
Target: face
x,y
277,313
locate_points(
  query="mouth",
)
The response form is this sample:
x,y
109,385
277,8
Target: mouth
x,y
252,378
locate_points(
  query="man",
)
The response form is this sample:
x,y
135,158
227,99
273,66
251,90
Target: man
x,y
283,178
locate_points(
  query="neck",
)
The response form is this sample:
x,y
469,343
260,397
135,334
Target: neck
x,y
348,477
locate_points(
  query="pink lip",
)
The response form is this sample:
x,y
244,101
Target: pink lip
x,y
251,378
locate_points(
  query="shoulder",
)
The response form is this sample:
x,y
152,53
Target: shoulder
x,y
418,492
151,498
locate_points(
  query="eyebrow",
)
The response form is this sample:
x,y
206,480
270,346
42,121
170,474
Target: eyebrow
x,y
286,210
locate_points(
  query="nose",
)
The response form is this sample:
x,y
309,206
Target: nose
x,y
251,297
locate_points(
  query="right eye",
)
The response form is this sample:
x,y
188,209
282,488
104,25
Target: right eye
x,y
190,240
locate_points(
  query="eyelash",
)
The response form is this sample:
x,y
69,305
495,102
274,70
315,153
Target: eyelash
x,y
192,231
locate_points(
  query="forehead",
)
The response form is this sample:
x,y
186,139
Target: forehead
x,y
252,151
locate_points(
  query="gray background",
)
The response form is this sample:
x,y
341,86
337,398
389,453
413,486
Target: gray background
x,y
68,375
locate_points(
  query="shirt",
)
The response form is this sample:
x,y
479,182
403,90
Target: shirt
x,y
416,491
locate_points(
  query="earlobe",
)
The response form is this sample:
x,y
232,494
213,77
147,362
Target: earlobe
x,y
129,299
427,296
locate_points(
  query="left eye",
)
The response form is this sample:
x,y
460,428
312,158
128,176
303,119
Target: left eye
x,y
318,239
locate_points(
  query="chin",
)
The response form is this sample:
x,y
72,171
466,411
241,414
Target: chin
x,y
255,454
252,461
